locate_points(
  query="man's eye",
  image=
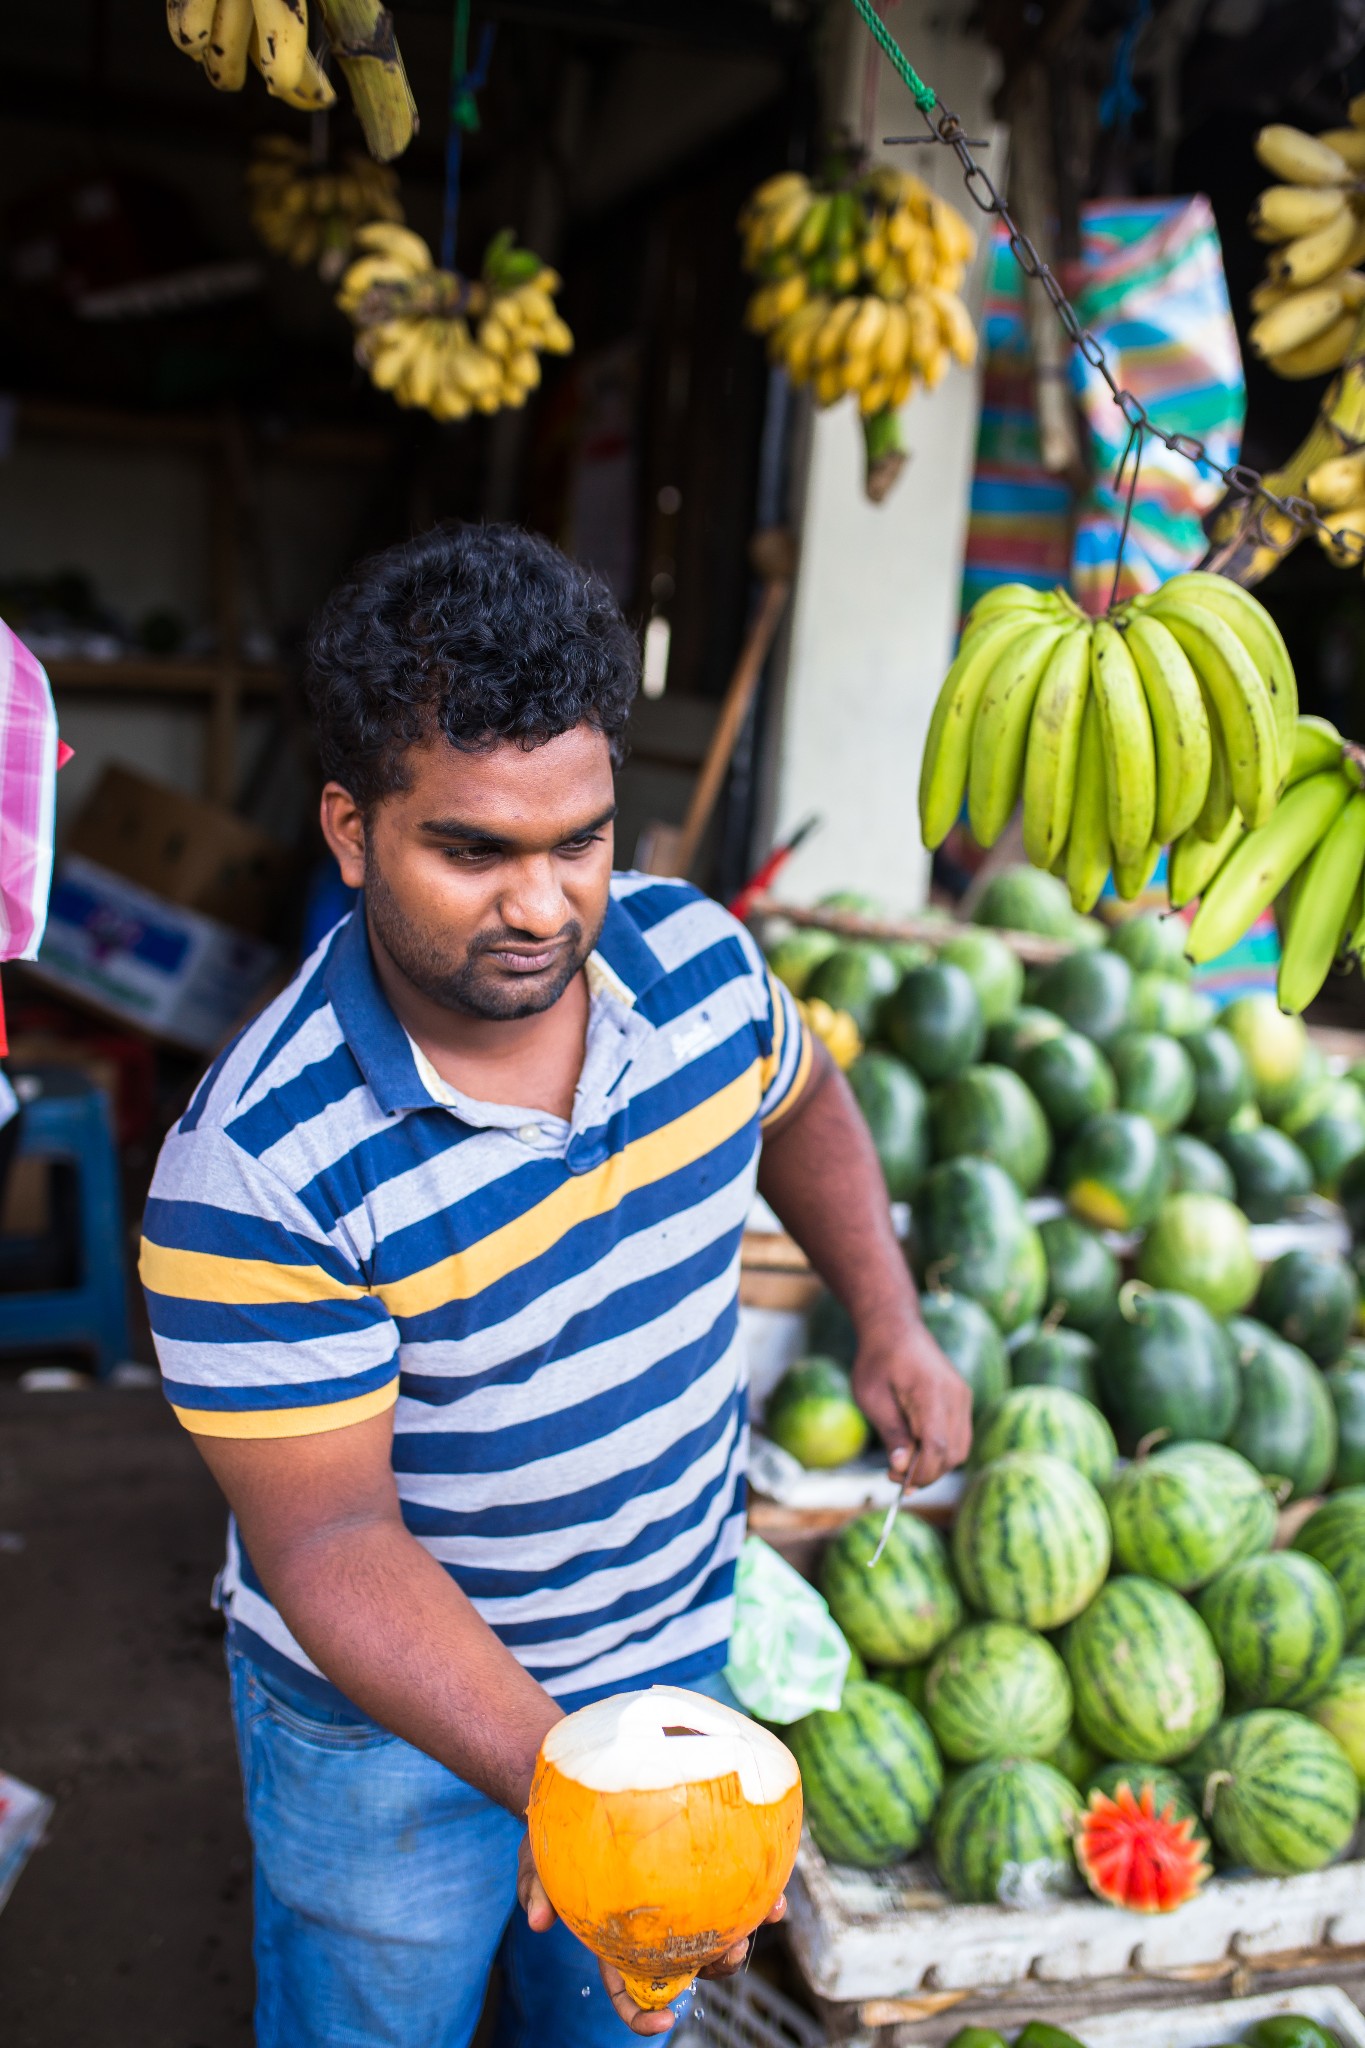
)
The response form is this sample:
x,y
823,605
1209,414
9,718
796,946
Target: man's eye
x,y
467,856
582,843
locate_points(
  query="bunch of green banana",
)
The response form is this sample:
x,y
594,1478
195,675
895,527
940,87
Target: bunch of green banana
x,y
1310,853
449,344
223,35
1308,305
858,288
309,212
1121,734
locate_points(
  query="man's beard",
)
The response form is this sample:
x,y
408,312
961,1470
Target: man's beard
x,y
469,987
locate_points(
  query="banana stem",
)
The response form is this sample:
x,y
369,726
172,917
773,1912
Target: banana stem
x,y
887,453
364,45
1247,540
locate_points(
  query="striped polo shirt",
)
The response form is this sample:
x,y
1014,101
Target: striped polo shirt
x,y
550,1308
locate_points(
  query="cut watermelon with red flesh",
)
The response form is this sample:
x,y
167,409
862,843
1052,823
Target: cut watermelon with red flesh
x,y
1135,1857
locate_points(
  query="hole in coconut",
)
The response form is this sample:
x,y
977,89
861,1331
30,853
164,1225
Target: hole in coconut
x,y
681,1731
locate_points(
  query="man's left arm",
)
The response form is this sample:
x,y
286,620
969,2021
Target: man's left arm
x,y
821,1176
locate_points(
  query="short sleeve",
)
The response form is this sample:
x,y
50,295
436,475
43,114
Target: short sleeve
x,y
787,1061
262,1327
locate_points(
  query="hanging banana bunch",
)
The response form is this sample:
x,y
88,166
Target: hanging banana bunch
x,y
449,344
309,212
858,294
1309,302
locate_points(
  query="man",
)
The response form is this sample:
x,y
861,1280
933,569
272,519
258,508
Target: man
x,y
442,1264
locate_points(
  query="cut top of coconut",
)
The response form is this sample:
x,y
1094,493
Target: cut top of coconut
x,y
649,1741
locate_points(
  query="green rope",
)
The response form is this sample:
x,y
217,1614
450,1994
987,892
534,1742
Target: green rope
x,y
923,95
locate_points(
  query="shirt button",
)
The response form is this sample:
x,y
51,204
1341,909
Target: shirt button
x,y
530,1134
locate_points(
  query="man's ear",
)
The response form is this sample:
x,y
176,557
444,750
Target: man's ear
x,y
343,827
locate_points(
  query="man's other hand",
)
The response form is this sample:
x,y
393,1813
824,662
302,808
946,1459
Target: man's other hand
x,y
911,1395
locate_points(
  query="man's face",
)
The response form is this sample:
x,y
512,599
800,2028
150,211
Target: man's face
x,y
486,879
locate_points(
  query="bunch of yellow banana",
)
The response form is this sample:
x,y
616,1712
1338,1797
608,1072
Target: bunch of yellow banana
x,y
309,212
450,344
1310,852
1308,306
837,1030
1337,487
1121,734
222,35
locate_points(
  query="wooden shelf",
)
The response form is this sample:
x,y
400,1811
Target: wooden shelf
x,y
1031,947
145,673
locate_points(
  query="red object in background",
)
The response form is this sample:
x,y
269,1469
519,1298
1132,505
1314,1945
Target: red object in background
x,y
765,876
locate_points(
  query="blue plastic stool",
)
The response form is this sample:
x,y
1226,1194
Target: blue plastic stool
x,y
65,1119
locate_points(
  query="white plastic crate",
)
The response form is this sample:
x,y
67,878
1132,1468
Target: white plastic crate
x,y
1203,2026
747,2012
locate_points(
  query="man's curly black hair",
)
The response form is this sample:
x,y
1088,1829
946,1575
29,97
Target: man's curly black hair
x,y
474,633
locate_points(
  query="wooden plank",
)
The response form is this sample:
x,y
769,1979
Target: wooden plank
x,y
1031,947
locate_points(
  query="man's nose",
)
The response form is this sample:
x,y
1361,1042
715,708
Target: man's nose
x,y
535,902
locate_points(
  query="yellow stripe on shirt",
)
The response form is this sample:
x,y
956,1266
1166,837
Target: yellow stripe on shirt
x,y
259,1422
239,1283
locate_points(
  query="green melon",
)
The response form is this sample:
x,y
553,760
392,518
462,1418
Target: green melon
x,y
1144,1671
1272,1172
1201,1245
1004,1833
1028,1026
1351,1195
1186,1513
1346,1385
1311,1298
970,1341
830,1332
1310,1093
907,1604
1024,899
934,1021
1090,991
1152,945
1273,1045
1330,1142
1340,1709
1222,1082
971,1234
1161,1003
811,1414
1031,1540
1335,1535
909,1681
870,1776
1114,1171
1286,1424
1057,1358
1048,1419
795,956
1196,1169
994,971
1166,1367
1155,1077
857,978
1071,1079
989,1112
996,1689
1279,1792
1082,1274
892,1100
1279,1626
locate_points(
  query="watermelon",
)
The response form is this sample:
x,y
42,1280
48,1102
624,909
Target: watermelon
x,y
971,1343
1090,991
991,1113
1196,1169
934,1021
1330,1142
1165,1366
901,1610
1073,1756
1082,1275
811,1414
996,1689
994,971
1114,1172
1279,1792
1271,1172
1279,1625
795,956
1154,945
1007,1043
1351,1195
1048,1419
909,1681
1134,1855
1004,1833
1187,1512
1201,1245
1273,1045
1024,899
1335,1535
1286,1424
1309,1095
1161,1003
1346,1385
1057,1358
971,1234
830,1332
1222,1082
1071,1079
1155,1077
896,1111
1340,1709
1144,1671
870,1775
1031,1540
1169,1790
857,978
1311,1298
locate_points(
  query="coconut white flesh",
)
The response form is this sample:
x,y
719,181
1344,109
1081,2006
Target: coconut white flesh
x,y
622,1745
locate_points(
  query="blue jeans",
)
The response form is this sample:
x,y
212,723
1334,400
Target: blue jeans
x,y
386,1891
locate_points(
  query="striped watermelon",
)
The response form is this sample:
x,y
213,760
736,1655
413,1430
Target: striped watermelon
x,y
1287,1424
1279,1627
1048,1419
1279,1791
1187,1512
1340,1709
1335,1535
1031,1540
1004,1833
907,1604
1144,1670
997,1690
870,1775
